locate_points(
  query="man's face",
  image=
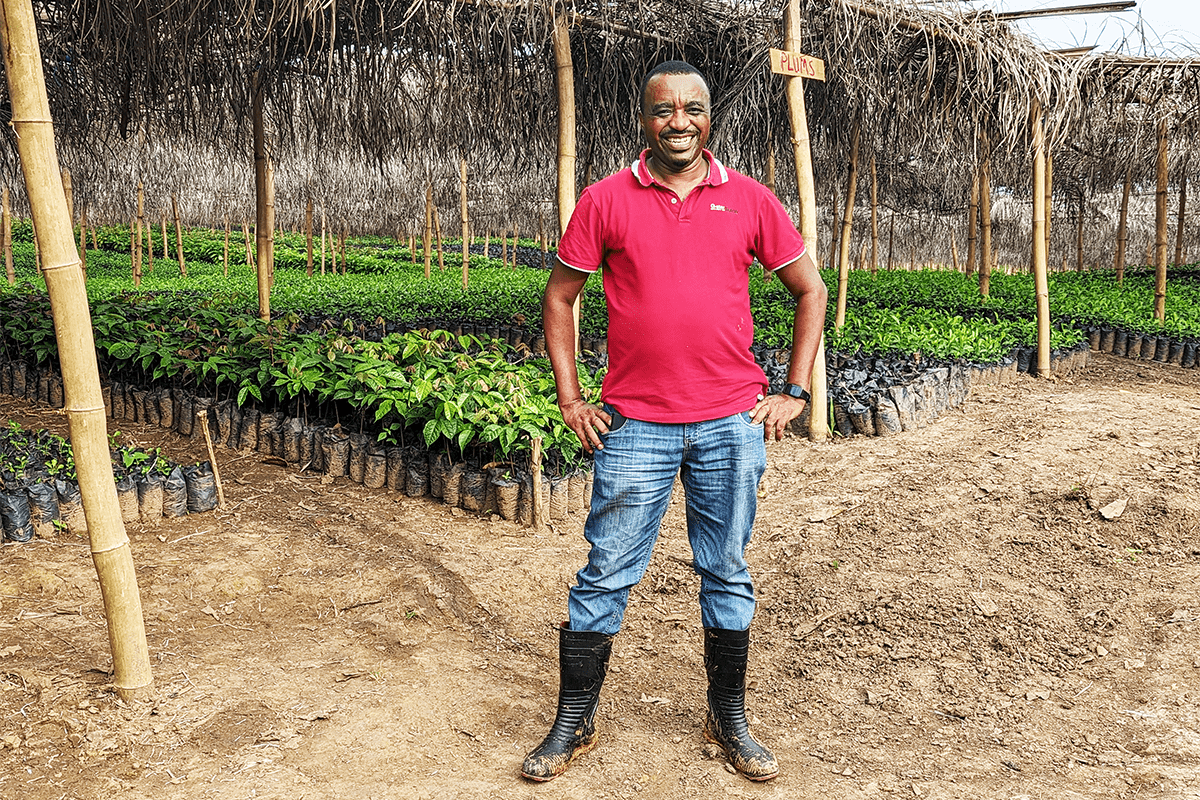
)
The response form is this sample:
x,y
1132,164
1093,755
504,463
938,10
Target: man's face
x,y
675,118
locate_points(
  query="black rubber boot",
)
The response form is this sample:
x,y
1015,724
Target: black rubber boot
x,y
725,656
582,664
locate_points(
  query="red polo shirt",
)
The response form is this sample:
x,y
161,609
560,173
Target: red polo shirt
x,y
676,279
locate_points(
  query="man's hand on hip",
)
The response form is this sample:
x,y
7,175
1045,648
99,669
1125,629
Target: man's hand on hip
x,y
775,412
587,421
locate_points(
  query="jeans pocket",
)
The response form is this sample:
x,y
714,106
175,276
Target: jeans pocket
x,y
618,420
748,419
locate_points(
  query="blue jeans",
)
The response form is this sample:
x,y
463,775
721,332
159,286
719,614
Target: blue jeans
x,y
720,462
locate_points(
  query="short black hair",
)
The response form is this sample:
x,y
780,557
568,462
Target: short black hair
x,y
667,68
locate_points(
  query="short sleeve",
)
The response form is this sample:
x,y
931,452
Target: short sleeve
x,y
777,242
582,245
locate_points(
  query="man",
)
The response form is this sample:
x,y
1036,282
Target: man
x,y
676,233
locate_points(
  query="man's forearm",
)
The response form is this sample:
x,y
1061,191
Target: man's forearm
x,y
808,326
558,323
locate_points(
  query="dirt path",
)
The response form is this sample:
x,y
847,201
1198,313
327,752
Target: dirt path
x,y
941,615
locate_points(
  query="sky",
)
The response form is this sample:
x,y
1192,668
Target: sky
x,y
1170,27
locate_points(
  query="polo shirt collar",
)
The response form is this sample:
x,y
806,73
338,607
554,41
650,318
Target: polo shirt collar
x,y
717,174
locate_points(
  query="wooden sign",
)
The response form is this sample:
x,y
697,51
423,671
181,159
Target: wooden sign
x,y
784,62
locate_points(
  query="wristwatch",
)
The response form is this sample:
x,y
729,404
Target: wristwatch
x,y
796,392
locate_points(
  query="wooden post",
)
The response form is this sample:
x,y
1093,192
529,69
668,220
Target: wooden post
x,y
466,228
34,137
178,236
322,238
308,215
1181,226
874,218
954,249
246,237
1040,280
834,229
1123,225
165,255
1160,226
516,238
985,213
891,238
802,155
7,234
504,247
847,228
564,76
260,201
973,223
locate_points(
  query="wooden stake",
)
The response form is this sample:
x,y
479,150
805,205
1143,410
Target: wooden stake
x,y
874,218
954,249
1181,225
504,247
834,230
178,236
516,236
226,271
34,136
487,243
308,215
9,271
891,238
802,155
1040,280
985,213
1049,198
539,513
847,227
973,223
345,234
322,238
165,255
466,229
202,421
1160,227
246,237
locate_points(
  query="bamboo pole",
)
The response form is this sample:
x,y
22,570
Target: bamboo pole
x,y
874,218
847,227
84,409
9,271
466,228
972,223
954,249
985,214
226,261
437,232
163,217
564,76
322,238
345,234
83,226
504,247
802,155
149,231
487,243
260,200
891,238
1040,280
1123,225
1049,199
178,236
270,223
308,215
516,238
834,230
427,241
1181,225
134,262
1160,226
137,251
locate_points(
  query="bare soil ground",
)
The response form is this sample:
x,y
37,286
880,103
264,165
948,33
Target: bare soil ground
x,y
943,614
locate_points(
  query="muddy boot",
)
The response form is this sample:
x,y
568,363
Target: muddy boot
x,y
582,663
725,655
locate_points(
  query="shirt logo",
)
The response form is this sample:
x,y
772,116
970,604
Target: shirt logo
x,y
719,207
